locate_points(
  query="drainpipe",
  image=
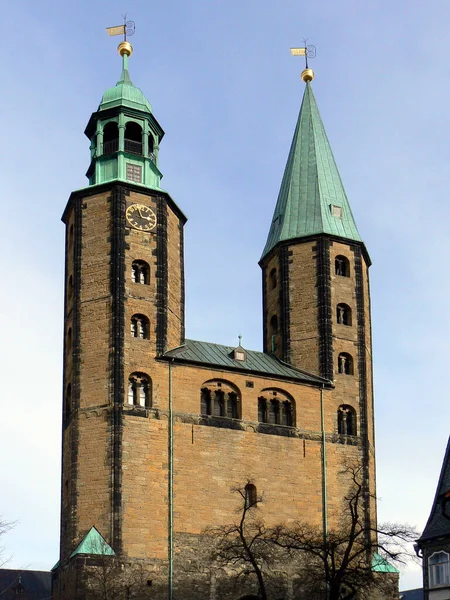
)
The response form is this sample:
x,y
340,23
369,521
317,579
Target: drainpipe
x,y
170,483
324,478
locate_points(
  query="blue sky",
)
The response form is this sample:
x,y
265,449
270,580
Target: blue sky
x,y
227,92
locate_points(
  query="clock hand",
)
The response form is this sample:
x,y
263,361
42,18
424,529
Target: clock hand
x,y
140,214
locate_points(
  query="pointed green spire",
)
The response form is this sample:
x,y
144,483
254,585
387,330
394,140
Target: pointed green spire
x,y
312,199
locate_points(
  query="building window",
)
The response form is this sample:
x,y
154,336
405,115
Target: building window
x,y
262,410
140,272
343,314
346,419
220,399
205,402
68,401
336,211
133,140
134,173
110,138
273,279
251,496
345,364
69,339
438,569
140,390
342,266
274,325
70,289
232,406
140,327
276,407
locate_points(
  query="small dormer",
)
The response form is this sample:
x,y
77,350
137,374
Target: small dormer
x,y
239,353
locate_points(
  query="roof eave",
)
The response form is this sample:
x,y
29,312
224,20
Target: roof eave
x,y
308,238
318,382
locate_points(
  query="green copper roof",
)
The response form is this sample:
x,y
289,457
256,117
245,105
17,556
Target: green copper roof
x,y
93,543
222,357
311,185
381,565
124,93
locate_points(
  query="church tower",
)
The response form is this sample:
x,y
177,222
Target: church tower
x,y
124,302
316,296
157,428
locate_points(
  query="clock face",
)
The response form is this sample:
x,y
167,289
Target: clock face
x,y
141,217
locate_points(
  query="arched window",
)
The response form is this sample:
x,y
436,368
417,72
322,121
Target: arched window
x,y
342,266
286,413
69,339
273,279
345,364
151,144
346,417
220,398
68,401
205,402
273,325
251,496
140,272
70,288
232,406
438,569
343,314
262,410
140,327
274,412
133,138
140,390
110,138
276,407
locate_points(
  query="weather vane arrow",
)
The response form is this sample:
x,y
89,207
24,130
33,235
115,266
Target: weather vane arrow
x,y
127,29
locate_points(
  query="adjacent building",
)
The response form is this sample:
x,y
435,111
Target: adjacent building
x,y
434,543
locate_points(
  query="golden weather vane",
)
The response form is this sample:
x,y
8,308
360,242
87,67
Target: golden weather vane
x,y
127,30
307,52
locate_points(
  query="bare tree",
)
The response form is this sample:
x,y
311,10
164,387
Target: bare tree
x,y
5,526
242,545
109,577
339,563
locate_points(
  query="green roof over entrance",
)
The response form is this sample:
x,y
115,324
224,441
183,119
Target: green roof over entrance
x,y
381,565
93,543
124,93
312,199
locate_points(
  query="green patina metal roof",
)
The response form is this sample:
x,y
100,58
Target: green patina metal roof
x,y
93,543
381,565
216,355
311,185
124,93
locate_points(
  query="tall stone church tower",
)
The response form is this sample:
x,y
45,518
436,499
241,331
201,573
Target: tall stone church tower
x,y
157,428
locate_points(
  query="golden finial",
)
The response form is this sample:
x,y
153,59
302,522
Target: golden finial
x,y
307,75
125,48
307,52
127,29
